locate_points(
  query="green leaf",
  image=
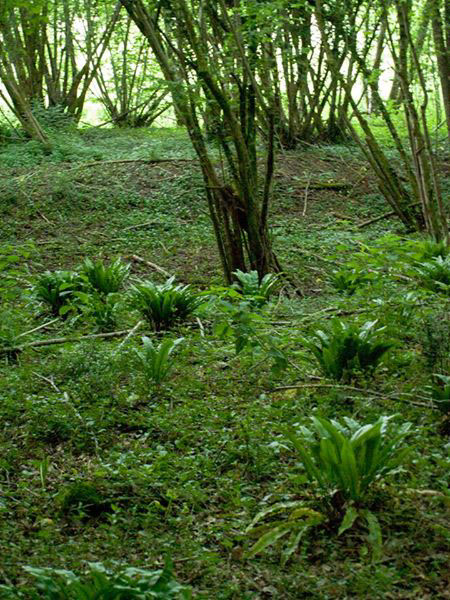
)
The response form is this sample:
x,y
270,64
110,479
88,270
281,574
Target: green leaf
x,y
311,515
350,517
310,467
271,510
269,538
292,544
374,537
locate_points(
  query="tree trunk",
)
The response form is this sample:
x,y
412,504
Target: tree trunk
x,y
441,37
239,219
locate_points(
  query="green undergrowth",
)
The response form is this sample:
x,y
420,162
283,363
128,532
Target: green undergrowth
x,y
109,456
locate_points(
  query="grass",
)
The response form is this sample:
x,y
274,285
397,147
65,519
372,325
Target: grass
x,y
183,468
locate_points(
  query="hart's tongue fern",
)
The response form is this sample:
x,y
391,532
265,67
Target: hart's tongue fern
x,y
164,305
345,348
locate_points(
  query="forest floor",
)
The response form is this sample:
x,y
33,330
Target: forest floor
x,y
180,470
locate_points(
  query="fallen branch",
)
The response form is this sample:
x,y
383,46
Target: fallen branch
x,y
152,222
342,217
39,327
148,161
151,265
305,203
351,388
130,334
63,340
391,213
314,255
48,380
323,185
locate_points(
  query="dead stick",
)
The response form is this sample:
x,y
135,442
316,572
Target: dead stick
x,y
314,255
127,337
380,218
391,213
38,328
63,340
149,161
152,222
50,381
305,204
150,264
348,387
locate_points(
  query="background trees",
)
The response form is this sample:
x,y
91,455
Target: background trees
x,y
245,78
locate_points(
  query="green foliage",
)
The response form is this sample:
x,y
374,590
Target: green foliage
x,y
434,335
53,117
93,291
92,370
11,267
393,251
51,424
56,289
344,349
105,279
429,249
434,275
102,584
155,361
349,280
11,255
374,537
238,322
8,337
344,458
295,521
252,289
164,305
350,457
102,309
10,327
187,476
440,393
84,497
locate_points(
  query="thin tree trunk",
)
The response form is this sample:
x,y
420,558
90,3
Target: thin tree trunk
x,y
441,37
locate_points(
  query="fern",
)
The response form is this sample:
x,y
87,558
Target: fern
x,y
57,288
253,289
349,280
164,305
105,279
344,349
440,392
350,457
435,274
102,584
155,361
